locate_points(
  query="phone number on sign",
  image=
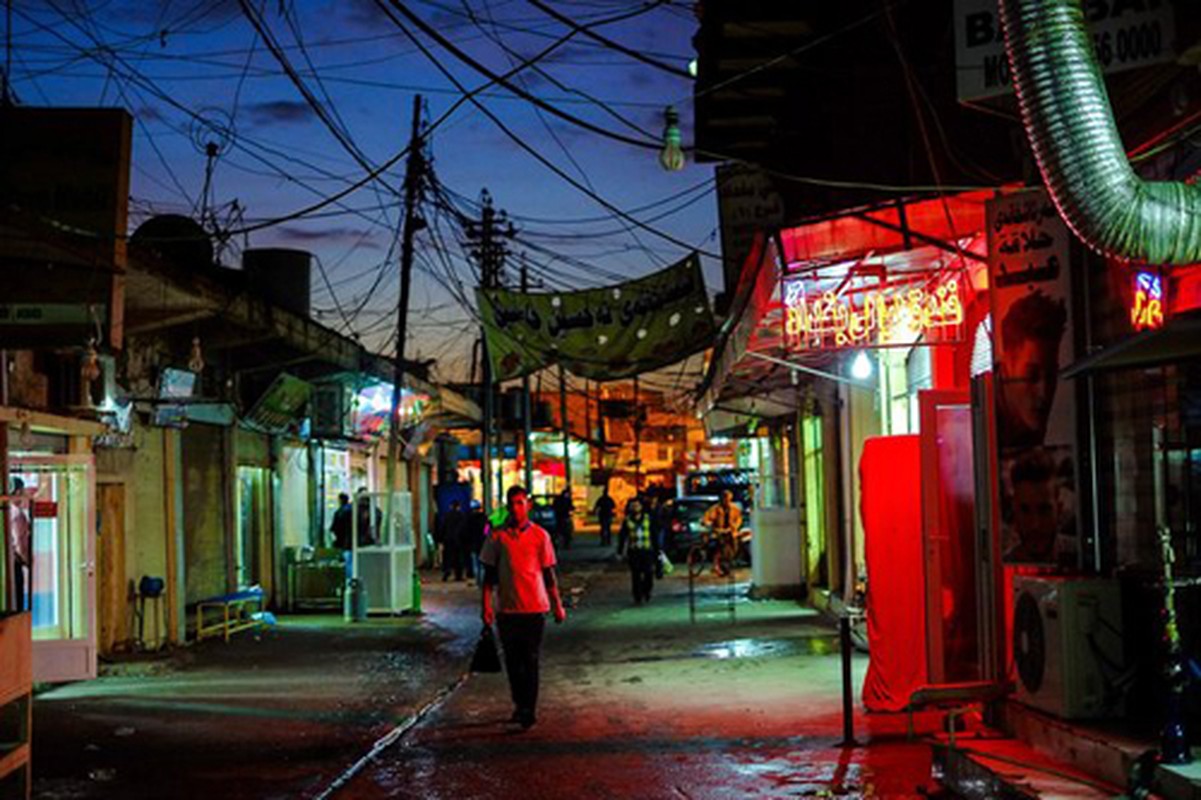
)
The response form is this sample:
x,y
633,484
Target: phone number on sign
x,y
1136,43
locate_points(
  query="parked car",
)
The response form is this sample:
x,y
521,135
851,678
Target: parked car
x,y
542,511
684,527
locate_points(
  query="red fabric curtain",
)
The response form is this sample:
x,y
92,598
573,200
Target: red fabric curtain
x,y
890,502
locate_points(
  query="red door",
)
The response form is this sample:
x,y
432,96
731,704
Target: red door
x,y
949,536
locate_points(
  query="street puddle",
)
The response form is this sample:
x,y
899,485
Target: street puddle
x,y
767,648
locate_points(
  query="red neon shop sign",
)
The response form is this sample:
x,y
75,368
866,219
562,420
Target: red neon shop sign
x,y
876,317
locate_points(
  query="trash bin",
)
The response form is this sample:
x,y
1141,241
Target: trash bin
x,y
354,601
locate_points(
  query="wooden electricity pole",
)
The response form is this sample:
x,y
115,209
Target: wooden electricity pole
x,y
414,175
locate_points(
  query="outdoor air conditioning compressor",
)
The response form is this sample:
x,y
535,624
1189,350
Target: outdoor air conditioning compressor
x,y
1067,645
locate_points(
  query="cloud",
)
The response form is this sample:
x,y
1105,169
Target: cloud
x,y
274,112
149,114
361,238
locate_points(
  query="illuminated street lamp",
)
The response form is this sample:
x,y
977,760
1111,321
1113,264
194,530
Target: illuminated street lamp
x,y
672,155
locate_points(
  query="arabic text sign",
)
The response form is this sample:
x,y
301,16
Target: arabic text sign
x,y
1126,34
605,334
1028,242
878,317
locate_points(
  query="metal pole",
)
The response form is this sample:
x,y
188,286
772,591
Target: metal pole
x,y
691,589
848,706
566,428
1173,738
414,172
487,278
637,440
527,423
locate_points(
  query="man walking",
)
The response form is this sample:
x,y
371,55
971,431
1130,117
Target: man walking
x,y
519,564
642,555
453,535
605,509
342,529
563,508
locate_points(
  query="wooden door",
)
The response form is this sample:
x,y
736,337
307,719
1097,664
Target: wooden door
x,y
113,590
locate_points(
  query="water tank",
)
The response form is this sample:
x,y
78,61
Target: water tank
x,y
177,239
281,276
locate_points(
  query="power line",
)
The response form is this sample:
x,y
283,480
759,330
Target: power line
x,y
621,48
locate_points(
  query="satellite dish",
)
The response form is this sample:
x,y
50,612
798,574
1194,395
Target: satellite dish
x,y
177,239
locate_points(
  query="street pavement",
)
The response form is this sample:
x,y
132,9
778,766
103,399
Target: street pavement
x,y
637,701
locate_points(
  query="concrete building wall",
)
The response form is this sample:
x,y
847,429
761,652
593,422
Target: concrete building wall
x,y
204,512
146,539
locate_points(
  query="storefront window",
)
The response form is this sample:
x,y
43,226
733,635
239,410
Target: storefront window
x,y
59,546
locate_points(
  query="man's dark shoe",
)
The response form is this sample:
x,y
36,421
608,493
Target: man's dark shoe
x,y
517,716
527,720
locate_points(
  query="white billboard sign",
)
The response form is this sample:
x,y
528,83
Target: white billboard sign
x,y
1126,34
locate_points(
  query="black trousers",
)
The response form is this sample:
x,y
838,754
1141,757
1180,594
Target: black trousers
x,y
452,559
606,531
521,640
19,580
642,573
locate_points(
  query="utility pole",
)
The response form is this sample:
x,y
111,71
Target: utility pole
x,y
566,427
489,253
414,175
527,422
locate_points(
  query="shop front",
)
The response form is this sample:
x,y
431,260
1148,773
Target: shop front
x,y
51,467
855,355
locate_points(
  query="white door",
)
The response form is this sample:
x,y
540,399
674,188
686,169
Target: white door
x,y
63,524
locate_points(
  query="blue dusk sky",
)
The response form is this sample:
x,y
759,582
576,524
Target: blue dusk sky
x,y
304,97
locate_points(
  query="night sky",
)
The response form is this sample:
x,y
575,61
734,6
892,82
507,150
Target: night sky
x,y
190,71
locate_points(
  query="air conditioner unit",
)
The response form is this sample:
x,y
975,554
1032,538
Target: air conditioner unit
x,y
1067,645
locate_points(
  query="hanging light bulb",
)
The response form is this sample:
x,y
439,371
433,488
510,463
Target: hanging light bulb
x,y
90,370
861,367
672,155
196,359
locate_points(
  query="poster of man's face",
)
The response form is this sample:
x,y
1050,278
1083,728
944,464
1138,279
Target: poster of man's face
x,y
1038,507
1031,333
1030,280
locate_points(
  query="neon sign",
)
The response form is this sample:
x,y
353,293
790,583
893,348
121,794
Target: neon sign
x,y
876,317
1146,313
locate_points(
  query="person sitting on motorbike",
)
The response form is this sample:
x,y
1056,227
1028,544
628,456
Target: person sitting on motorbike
x,y
724,521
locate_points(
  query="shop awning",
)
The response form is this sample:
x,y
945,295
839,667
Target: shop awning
x,y
753,371
1178,340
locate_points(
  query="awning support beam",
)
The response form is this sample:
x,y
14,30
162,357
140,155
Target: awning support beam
x,y
833,376
909,233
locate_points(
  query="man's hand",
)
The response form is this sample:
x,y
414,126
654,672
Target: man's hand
x,y
560,613
488,615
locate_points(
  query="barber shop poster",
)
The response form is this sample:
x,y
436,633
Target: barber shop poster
x,y
1030,281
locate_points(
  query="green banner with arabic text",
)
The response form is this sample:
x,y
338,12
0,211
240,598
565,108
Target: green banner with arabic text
x,y
603,334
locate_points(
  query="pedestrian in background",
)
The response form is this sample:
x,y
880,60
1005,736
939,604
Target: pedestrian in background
x,y
341,528
642,555
453,536
519,566
605,509
564,525
20,534
474,530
